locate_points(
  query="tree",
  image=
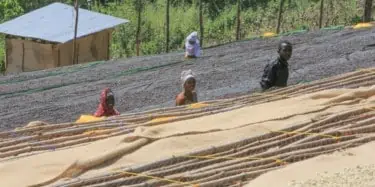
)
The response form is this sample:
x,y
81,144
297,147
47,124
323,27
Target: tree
x,y
238,29
139,10
368,9
10,9
167,26
280,16
321,13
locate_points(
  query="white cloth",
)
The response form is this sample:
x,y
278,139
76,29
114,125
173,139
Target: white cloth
x,y
192,49
185,75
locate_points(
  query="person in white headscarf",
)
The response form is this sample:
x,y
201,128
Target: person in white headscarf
x,y
188,95
192,47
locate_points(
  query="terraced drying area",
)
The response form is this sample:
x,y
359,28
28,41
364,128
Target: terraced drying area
x,y
143,83
231,164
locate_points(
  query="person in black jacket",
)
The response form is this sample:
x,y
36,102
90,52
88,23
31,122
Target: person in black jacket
x,y
276,73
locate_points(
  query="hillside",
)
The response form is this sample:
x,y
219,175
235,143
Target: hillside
x,y
228,142
63,94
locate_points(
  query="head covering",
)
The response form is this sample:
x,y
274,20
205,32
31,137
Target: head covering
x,y
192,45
185,75
103,109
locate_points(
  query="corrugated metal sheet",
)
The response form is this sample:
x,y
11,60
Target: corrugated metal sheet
x,y
55,23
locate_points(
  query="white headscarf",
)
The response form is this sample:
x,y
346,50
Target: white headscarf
x,y
185,75
192,49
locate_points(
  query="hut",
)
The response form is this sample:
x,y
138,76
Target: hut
x,y
43,38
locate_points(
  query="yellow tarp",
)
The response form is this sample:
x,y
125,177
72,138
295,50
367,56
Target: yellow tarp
x,y
89,118
197,105
269,34
162,119
363,25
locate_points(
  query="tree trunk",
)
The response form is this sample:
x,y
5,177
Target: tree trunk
x,y
167,27
368,9
201,22
139,9
280,16
238,31
321,13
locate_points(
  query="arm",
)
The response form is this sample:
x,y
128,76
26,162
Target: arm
x,y
180,100
268,78
116,112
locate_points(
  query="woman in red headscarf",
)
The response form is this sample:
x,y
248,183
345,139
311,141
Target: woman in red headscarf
x,y
107,103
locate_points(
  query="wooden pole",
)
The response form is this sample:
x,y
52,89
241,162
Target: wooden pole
x,y
139,8
201,22
238,31
321,13
75,33
58,57
109,44
6,54
167,27
23,57
280,16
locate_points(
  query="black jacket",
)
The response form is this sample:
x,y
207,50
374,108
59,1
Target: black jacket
x,y
275,74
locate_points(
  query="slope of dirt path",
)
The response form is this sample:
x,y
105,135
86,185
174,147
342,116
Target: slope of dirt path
x,y
225,70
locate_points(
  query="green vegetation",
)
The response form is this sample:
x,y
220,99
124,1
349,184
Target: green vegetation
x,y
257,16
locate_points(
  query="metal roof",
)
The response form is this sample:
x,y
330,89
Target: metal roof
x,y
55,23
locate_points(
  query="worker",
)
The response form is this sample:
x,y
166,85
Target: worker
x,y
276,73
188,95
106,105
192,47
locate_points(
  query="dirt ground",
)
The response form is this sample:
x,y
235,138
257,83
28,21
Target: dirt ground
x,y
63,94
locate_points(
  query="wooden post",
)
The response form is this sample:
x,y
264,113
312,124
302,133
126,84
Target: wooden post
x,y
238,31
58,56
23,57
280,16
75,33
6,53
109,44
76,60
321,13
167,27
368,9
201,22
139,9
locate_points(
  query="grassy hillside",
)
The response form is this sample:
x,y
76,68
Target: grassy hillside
x,y
219,20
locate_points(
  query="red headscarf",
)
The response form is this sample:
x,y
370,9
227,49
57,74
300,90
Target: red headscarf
x,y
103,109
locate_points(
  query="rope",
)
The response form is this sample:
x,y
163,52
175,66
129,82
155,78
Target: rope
x,y
157,178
